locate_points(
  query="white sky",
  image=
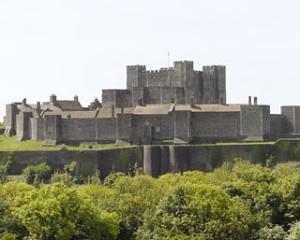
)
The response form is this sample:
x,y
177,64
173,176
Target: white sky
x,y
70,47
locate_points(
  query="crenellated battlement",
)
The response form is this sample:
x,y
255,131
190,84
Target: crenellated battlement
x,y
206,86
175,103
136,67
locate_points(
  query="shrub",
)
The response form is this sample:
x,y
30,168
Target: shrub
x,y
3,173
199,211
36,174
294,232
63,177
71,168
272,233
9,236
112,178
58,212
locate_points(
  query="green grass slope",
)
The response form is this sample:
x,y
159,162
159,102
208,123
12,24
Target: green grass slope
x,y
12,144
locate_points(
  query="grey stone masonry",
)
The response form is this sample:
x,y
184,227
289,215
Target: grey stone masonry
x,y
180,83
177,104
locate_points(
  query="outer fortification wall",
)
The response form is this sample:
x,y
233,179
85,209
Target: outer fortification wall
x,y
157,159
106,161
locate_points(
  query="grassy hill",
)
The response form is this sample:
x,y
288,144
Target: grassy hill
x,y
12,144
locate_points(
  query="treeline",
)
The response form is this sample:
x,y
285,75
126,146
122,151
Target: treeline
x,y
237,201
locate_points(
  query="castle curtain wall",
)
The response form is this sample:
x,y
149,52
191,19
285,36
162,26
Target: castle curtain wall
x,y
161,127
255,122
37,128
23,126
215,126
82,130
106,130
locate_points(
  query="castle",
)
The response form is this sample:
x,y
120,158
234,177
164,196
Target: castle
x,y
177,104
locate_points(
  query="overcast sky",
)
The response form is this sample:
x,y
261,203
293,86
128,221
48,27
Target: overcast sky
x,y
70,47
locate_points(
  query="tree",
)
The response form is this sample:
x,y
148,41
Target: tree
x,y
63,177
272,233
198,211
294,232
113,178
57,212
132,196
36,174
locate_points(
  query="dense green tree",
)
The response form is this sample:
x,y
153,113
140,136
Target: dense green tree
x,y
3,173
199,211
132,197
36,174
62,177
294,232
8,236
272,233
113,178
57,212
239,200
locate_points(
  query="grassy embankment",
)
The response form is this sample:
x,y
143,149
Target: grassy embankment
x,y
12,144
225,143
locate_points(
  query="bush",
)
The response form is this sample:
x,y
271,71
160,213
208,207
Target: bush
x,y
83,172
63,177
112,178
36,174
199,211
58,212
272,233
71,168
9,236
294,232
3,173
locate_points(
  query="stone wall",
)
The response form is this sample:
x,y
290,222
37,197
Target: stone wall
x,y
117,98
154,159
23,126
136,76
215,126
124,127
255,122
37,128
123,160
160,86
78,130
161,127
159,160
292,114
214,84
182,126
10,119
279,126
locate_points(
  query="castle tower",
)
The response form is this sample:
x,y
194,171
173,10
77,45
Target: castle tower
x,y
136,76
184,73
214,84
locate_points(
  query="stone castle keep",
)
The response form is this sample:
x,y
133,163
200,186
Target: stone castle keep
x,y
177,104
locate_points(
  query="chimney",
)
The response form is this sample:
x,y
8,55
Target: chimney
x,y
192,102
38,107
76,99
255,100
113,111
250,100
140,102
24,102
53,98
